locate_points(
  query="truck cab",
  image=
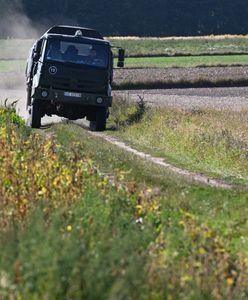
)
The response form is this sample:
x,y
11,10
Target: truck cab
x,y
69,73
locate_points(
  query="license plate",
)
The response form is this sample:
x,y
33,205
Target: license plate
x,y
70,94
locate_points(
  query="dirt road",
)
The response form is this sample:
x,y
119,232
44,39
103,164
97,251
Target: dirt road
x,y
19,95
222,98
233,98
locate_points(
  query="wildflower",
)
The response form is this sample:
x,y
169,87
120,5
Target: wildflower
x,y
201,251
229,281
186,278
181,223
139,209
69,228
42,191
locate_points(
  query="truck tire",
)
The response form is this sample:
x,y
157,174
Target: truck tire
x,y
35,117
28,103
99,124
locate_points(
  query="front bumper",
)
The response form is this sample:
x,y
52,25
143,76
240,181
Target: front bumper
x,y
69,97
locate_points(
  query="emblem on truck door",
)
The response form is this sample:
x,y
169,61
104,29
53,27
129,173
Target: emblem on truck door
x,y
53,70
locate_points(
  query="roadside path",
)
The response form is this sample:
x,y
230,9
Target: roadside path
x,y
222,98
192,176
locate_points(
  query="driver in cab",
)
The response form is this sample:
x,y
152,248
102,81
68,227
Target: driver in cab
x,y
92,57
71,54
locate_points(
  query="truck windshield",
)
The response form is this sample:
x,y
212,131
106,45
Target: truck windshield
x,y
78,53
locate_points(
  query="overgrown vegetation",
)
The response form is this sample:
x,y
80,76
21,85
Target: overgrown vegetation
x,y
211,141
124,113
70,231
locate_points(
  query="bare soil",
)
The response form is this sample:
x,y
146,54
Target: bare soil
x,y
13,80
181,74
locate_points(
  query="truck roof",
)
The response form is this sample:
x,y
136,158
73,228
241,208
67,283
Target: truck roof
x,y
80,39
71,31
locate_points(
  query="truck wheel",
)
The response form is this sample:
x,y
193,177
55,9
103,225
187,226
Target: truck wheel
x,y
99,124
35,118
28,103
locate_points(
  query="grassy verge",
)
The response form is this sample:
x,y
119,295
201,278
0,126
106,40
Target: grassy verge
x,y
12,65
186,61
174,46
210,141
77,212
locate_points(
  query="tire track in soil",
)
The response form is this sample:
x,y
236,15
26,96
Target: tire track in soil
x,y
197,177
192,176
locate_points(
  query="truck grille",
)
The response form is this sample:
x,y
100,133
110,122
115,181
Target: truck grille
x,y
59,82
77,85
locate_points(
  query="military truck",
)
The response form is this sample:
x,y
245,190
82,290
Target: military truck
x,y
69,73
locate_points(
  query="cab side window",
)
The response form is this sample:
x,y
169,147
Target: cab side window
x,y
37,50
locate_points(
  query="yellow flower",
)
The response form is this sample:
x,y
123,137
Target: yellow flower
x,y
69,228
181,223
201,251
230,280
139,209
186,278
42,191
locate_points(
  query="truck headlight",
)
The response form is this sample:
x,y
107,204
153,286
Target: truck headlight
x,y
99,100
44,94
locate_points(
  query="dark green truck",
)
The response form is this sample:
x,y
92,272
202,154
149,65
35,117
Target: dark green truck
x,y
69,73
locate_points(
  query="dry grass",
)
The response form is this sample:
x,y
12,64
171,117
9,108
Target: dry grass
x,y
210,141
65,226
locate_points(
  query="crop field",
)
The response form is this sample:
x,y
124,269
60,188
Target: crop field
x,y
186,61
18,49
180,46
140,52
153,62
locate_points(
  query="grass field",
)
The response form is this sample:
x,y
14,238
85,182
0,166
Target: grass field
x,y
165,62
172,46
74,216
15,48
214,142
12,65
151,62
18,49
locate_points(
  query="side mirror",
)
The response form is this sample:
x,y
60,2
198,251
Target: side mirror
x,y
36,56
121,58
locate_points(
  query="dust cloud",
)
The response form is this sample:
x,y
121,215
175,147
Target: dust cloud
x,y
12,80
14,24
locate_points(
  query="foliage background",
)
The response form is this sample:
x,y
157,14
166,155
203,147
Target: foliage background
x,y
142,18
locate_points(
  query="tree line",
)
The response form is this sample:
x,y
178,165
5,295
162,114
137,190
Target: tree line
x,y
140,17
